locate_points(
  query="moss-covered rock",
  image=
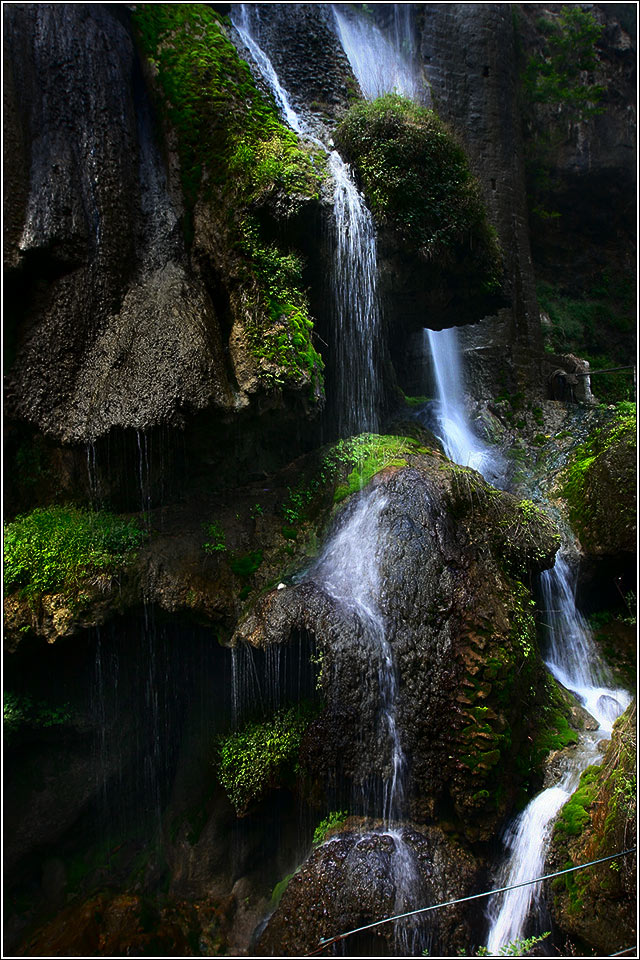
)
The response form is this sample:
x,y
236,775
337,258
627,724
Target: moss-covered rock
x,y
598,905
237,158
600,485
453,553
419,185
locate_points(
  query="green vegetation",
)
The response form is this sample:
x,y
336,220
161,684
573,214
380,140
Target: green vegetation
x,y
279,889
574,816
620,430
417,179
556,76
216,542
370,454
234,150
61,548
519,947
262,755
363,456
24,711
335,819
245,564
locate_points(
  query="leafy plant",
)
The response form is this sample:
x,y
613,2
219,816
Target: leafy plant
x,y
262,755
217,541
519,947
60,547
335,819
24,711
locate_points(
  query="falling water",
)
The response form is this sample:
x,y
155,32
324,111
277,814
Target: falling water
x,y
381,63
354,262
453,429
349,571
574,661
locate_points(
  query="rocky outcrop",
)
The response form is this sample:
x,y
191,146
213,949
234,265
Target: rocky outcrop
x,y
463,643
598,905
359,876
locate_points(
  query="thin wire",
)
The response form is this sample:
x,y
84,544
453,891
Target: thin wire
x,y
620,952
476,896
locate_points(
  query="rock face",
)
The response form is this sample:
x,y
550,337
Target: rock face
x,y
356,878
458,630
598,906
114,332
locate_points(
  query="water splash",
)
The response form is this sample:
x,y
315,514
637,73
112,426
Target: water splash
x,y
382,62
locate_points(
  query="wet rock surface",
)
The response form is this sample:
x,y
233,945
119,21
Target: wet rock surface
x,y
456,657
357,878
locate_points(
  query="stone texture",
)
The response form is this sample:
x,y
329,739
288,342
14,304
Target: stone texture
x,y
357,877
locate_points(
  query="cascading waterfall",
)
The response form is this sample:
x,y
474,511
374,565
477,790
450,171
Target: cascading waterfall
x,y
348,569
574,661
354,282
381,63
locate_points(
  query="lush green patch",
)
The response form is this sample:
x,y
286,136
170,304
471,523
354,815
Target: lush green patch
x,y
20,712
621,429
574,816
216,540
557,75
519,947
371,453
60,548
335,819
363,456
261,756
279,889
417,179
233,147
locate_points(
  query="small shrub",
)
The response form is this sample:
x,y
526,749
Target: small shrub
x,y
57,548
261,756
335,819
216,542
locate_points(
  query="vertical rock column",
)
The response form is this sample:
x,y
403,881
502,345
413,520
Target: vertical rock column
x,y
469,55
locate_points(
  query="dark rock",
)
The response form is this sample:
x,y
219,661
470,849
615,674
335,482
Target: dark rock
x,y
358,877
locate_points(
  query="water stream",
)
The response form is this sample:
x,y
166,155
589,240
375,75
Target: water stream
x,y
354,293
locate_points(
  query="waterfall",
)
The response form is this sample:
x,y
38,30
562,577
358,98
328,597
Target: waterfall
x,y
348,570
354,294
574,661
453,429
381,63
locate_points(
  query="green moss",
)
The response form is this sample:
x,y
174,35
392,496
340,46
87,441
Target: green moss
x,y
279,889
622,429
417,179
58,548
261,756
234,150
371,453
574,816
245,564
25,712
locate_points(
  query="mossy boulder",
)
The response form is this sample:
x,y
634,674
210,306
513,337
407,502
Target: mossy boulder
x,y
600,486
598,906
421,190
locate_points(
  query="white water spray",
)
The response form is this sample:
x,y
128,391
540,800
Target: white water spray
x,y
381,62
349,571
